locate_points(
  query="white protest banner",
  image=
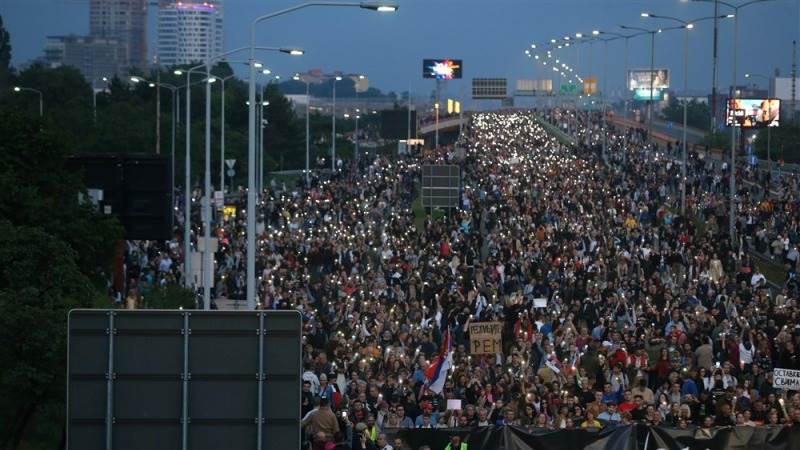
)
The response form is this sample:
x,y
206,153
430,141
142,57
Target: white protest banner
x,y
786,379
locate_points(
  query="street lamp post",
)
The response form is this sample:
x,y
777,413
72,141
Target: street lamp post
x,y
251,138
206,215
36,91
94,96
187,189
769,128
333,132
222,81
732,188
652,34
686,25
174,91
305,80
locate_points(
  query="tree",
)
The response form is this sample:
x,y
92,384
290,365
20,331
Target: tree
x,y
55,255
283,138
783,142
697,114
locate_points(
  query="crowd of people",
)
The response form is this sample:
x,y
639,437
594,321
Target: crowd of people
x,y
615,307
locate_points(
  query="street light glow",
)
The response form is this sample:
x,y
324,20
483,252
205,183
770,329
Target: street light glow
x,y
578,35
379,6
152,85
293,51
296,77
258,65
595,32
177,72
135,79
689,26
338,78
646,15
17,89
266,72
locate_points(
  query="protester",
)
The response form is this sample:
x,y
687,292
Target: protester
x,y
614,307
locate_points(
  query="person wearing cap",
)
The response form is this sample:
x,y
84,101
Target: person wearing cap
x,y
455,443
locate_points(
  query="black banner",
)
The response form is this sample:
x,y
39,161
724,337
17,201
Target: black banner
x,y
630,437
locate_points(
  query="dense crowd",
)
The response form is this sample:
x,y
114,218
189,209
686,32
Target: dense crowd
x,y
647,315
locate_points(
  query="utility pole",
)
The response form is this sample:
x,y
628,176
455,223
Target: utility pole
x,y
714,70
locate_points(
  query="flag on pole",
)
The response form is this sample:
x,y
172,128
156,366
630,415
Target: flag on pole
x,y
436,373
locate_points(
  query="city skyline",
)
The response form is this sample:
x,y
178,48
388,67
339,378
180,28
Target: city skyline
x,y
385,51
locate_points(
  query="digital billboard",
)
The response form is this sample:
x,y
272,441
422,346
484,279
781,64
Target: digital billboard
x,y
754,112
640,78
644,94
441,69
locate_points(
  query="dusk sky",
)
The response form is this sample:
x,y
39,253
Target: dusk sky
x,y
489,35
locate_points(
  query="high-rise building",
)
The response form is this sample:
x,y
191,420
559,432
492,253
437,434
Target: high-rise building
x,y
94,57
124,21
189,31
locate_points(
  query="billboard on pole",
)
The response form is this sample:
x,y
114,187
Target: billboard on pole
x,y
489,88
442,69
532,86
754,112
641,79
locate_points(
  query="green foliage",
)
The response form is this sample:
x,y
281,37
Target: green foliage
x,y
718,139
784,143
697,114
55,255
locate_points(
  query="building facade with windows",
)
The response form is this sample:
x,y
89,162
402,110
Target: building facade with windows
x,y
126,22
189,31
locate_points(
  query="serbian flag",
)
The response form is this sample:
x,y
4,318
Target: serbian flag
x,y
436,373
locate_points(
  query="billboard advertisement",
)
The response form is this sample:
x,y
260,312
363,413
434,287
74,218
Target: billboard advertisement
x,y
641,78
441,69
589,85
753,112
534,86
489,88
644,94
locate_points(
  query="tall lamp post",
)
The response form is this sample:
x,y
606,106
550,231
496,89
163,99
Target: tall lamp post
x,y
222,81
36,91
174,91
652,34
333,132
187,188
305,80
769,128
686,25
734,95
251,137
94,96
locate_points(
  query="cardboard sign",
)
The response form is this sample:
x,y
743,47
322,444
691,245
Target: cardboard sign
x,y
786,379
453,405
485,338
